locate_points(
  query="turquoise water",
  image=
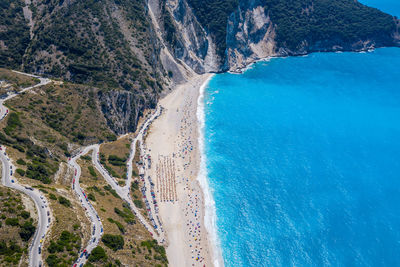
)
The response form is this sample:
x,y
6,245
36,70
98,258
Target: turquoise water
x,y
303,160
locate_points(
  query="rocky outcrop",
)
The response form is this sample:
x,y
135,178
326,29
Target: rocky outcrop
x,y
250,36
252,33
186,40
122,109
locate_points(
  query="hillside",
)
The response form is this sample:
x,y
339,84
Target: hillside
x,y
311,25
111,61
133,50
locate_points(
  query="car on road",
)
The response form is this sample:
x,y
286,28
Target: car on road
x,y
40,250
12,181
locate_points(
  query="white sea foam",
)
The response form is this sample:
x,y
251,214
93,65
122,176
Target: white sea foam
x,y
209,209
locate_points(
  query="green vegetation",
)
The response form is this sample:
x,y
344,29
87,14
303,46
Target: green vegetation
x,y
39,172
16,227
115,242
103,162
116,161
160,250
20,172
213,15
126,214
121,228
138,203
27,230
41,166
67,242
91,197
96,189
86,157
341,21
92,171
63,201
111,137
109,64
14,33
52,196
135,185
12,221
98,254
25,214
12,253
12,123
21,162
112,191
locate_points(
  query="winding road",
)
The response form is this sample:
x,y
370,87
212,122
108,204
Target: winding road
x,y
40,201
96,226
35,250
123,192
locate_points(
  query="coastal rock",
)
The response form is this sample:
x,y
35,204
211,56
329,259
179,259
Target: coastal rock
x,y
250,36
186,40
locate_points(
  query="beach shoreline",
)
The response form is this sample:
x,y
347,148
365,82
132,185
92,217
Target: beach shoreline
x,y
184,208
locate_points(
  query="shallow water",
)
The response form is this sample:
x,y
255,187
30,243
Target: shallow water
x,y
303,160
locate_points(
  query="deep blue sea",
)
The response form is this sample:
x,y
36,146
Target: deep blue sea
x,y
303,159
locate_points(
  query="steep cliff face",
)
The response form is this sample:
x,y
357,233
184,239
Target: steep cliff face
x,y
123,109
261,28
184,37
250,36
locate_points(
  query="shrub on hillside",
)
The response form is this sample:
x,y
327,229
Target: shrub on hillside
x,y
98,254
27,230
12,221
115,242
63,201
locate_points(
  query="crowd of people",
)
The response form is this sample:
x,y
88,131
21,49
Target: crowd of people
x,y
192,201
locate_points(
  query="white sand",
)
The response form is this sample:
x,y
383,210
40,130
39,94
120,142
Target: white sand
x,y
174,135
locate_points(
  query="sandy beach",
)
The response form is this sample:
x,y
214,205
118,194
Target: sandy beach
x,y
173,145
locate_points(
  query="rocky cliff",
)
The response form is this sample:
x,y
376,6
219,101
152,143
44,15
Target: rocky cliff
x,y
133,51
